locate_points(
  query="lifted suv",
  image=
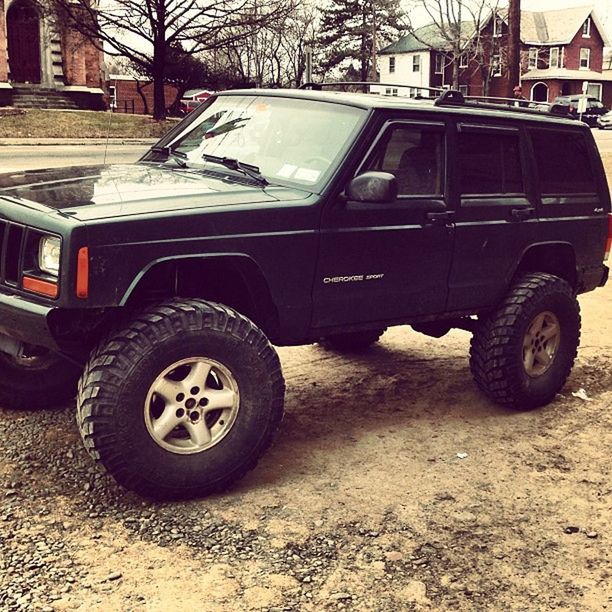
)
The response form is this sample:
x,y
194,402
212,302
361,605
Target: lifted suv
x,y
153,291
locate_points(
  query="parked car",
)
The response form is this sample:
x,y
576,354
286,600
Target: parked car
x,y
156,291
604,122
594,108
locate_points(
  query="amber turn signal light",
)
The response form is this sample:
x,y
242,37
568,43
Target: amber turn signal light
x,y
36,285
82,275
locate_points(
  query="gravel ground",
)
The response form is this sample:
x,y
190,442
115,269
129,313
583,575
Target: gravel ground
x,y
393,485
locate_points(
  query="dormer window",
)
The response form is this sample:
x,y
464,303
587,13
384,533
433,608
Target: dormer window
x,y
586,28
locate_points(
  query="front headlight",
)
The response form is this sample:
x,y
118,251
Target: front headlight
x,y
49,251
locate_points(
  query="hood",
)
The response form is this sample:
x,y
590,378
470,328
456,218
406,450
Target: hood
x,y
87,192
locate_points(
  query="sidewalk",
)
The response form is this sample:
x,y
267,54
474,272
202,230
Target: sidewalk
x,y
75,141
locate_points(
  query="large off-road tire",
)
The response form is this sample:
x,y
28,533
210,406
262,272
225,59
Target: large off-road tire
x,y
40,380
183,401
352,342
523,352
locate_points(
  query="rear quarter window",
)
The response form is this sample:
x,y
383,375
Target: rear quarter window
x,y
563,162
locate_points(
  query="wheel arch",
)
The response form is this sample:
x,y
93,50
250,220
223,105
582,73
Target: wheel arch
x,y
558,258
235,280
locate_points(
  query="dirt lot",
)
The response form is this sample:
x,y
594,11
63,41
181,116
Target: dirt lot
x,y
363,504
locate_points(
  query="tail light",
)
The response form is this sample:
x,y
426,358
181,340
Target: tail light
x,y
609,241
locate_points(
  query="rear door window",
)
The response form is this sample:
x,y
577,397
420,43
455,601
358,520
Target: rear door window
x,y
489,161
563,162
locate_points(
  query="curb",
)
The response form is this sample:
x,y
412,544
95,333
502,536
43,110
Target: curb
x,y
13,142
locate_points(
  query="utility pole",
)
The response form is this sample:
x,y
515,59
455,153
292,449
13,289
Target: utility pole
x,y
514,45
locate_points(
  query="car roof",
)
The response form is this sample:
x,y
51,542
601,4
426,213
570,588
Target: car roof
x,y
371,101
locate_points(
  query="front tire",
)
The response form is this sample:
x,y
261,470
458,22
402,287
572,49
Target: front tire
x,y
523,352
183,401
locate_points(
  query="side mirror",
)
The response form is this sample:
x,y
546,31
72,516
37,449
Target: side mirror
x,y
373,186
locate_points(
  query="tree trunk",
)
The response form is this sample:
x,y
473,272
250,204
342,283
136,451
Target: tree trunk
x,y
159,73
514,34
142,97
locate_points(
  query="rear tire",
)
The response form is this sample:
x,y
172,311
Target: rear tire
x,y
352,342
523,352
44,380
183,401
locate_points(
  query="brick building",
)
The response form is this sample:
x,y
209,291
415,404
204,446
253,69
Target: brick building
x,y
130,95
559,50
45,64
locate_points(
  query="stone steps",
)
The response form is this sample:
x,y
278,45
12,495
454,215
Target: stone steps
x,y
42,98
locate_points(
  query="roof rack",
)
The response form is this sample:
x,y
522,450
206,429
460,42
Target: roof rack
x,y
452,97
320,86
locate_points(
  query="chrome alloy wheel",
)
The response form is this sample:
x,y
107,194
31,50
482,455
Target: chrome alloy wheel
x,y
541,343
191,405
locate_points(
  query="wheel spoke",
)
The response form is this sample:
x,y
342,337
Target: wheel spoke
x,y
219,399
550,331
169,389
166,422
543,357
528,359
537,324
198,432
197,376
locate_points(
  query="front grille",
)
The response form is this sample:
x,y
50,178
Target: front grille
x,y
12,239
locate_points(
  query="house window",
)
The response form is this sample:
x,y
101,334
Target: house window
x,y
497,25
416,63
495,65
391,91
112,94
463,60
594,90
439,64
489,163
586,28
554,57
463,89
585,56
391,64
533,58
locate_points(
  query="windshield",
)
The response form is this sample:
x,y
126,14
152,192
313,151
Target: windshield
x,y
290,140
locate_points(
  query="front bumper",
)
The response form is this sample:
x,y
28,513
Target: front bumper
x,y
25,321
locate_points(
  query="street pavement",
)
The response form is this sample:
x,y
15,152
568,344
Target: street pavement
x,y
27,157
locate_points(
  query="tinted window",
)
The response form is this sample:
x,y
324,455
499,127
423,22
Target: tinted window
x,y
563,163
415,156
489,163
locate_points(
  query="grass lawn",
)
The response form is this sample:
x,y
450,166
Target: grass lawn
x,y
37,123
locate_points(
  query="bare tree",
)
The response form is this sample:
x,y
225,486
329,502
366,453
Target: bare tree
x,y
456,31
145,31
274,55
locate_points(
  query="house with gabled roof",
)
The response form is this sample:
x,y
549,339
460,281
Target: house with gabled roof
x,y
560,50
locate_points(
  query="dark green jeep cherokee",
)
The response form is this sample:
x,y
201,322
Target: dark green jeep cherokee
x,y
153,291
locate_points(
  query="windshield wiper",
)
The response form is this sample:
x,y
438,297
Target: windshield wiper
x,y
233,164
178,156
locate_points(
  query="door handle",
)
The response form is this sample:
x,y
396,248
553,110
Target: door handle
x,y
521,214
440,218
